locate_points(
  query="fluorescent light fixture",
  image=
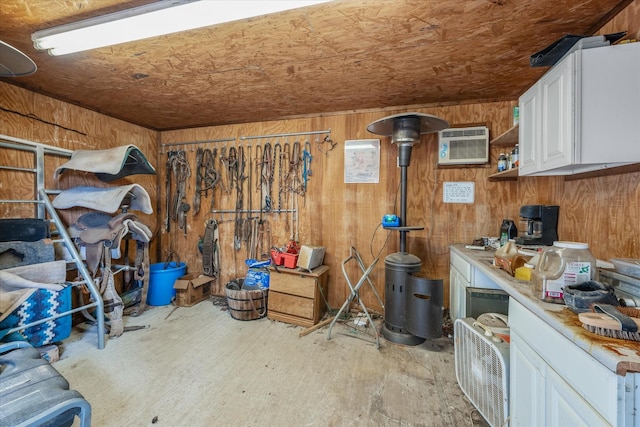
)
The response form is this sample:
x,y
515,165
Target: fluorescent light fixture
x,y
155,19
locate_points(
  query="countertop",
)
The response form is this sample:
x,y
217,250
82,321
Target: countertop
x,y
617,355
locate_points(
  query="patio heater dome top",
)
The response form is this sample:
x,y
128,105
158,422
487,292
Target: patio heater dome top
x,y
407,127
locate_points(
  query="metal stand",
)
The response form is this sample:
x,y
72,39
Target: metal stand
x,y
355,291
405,130
43,206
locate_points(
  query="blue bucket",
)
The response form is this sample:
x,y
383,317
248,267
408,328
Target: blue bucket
x,y
161,282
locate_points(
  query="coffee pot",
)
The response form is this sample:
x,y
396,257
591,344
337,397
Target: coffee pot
x,y
538,225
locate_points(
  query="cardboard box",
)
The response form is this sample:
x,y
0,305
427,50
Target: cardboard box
x,y
192,289
310,257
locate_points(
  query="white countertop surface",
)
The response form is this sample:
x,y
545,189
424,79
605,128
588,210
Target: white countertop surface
x,y
617,355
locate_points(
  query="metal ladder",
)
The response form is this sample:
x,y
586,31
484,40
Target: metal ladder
x,y
44,207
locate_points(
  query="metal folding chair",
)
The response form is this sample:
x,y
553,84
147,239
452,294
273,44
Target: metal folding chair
x,y
355,290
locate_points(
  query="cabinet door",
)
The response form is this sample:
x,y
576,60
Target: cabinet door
x,y
457,294
565,407
529,131
526,384
557,133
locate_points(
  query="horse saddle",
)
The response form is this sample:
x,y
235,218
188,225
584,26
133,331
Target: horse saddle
x,y
110,164
96,231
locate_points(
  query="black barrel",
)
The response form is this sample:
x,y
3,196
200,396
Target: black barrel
x,y
398,266
424,306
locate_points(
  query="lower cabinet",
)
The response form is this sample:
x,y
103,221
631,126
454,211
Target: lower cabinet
x,y
553,382
298,297
463,275
459,281
540,397
457,294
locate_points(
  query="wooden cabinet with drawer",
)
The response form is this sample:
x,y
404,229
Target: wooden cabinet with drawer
x,y
298,297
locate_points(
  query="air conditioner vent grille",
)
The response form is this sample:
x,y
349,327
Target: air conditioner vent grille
x,y
456,133
463,146
467,148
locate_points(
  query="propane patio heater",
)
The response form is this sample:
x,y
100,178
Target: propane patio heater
x,y
405,130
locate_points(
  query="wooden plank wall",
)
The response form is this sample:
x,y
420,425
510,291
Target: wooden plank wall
x,y
602,211
33,117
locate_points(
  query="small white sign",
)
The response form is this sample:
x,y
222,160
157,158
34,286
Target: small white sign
x,y
458,192
362,161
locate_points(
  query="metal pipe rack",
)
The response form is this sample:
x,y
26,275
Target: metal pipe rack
x,y
43,207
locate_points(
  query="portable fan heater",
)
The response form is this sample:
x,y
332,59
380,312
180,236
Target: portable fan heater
x,y
405,130
482,370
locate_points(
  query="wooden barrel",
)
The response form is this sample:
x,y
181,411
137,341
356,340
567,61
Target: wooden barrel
x,y
246,304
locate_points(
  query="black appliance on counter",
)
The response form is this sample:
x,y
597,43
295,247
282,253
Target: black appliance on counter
x,y
538,225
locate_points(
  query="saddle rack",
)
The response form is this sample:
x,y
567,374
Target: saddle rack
x,y
45,211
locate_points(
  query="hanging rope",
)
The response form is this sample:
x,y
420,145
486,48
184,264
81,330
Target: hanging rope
x,y
266,177
211,250
206,176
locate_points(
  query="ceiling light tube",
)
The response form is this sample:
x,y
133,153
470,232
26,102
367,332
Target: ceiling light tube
x,y
155,19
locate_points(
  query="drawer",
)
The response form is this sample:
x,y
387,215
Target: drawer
x,y
293,284
291,304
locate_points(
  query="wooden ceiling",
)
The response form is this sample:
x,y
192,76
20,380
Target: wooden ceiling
x,y
340,56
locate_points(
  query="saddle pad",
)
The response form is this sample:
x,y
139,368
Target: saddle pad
x,y
17,284
42,304
104,199
15,254
110,164
23,229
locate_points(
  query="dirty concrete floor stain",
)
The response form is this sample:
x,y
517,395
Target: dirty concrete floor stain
x,y
199,367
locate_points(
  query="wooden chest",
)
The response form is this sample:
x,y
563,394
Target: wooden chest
x,y
297,296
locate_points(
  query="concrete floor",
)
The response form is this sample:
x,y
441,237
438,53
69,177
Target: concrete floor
x,y
199,367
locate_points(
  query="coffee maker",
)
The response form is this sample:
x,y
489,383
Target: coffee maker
x,y
538,225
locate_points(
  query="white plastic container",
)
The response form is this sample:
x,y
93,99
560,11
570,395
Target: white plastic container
x,y
563,264
628,266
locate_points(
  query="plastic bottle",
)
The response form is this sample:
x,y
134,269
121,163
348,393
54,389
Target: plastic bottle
x,y
502,162
506,257
508,231
514,157
564,263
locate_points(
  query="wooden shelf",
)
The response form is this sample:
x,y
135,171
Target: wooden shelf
x,y
405,228
508,175
509,138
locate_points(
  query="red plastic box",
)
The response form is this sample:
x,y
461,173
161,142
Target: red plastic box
x,y
276,255
290,260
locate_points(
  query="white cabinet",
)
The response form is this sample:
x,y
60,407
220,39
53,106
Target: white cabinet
x,y
553,382
540,397
526,384
463,275
582,115
459,280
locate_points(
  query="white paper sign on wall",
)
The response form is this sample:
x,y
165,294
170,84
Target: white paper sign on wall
x,y
458,192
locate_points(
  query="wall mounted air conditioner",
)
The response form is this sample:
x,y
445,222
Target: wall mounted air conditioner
x,y
461,146
482,370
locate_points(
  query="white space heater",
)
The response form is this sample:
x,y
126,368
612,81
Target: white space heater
x,y
482,370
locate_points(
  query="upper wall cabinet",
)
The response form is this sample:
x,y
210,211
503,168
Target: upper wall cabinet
x,y
583,114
